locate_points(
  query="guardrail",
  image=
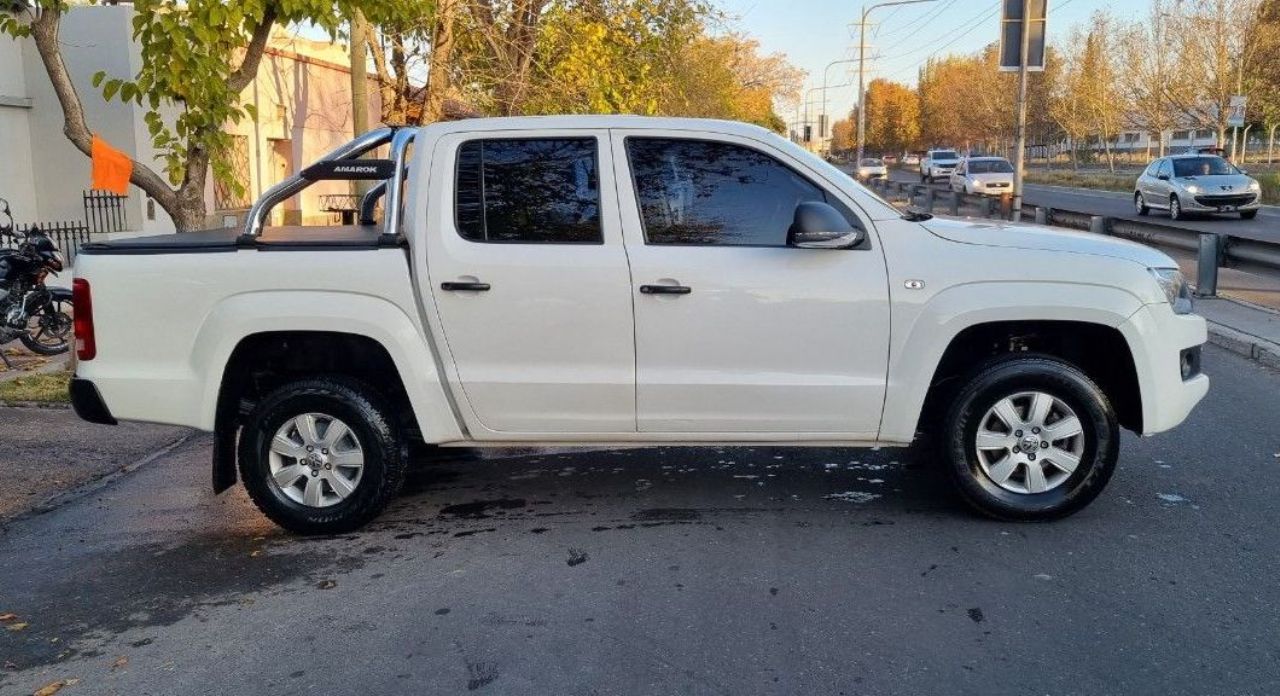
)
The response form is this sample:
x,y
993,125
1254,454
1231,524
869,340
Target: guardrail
x,y
1213,250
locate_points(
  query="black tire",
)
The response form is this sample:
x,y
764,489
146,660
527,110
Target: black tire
x,y
59,325
370,420
1060,380
1248,214
1140,203
1175,208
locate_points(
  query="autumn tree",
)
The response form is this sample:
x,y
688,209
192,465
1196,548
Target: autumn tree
x,y
1216,46
893,116
197,58
844,135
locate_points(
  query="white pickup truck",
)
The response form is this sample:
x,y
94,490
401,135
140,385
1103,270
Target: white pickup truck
x,y
630,281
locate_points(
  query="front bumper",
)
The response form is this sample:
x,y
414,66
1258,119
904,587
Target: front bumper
x,y
1159,341
1214,203
88,403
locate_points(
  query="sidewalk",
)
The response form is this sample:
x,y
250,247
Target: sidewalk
x,y
48,453
26,363
1245,316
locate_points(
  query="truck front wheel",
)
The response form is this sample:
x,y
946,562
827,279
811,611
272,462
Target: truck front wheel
x,y
1031,438
321,455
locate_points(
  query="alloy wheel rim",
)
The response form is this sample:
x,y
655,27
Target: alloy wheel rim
x,y
1137,203
1029,442
315,460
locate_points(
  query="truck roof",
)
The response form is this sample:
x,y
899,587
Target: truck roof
x,y
597,121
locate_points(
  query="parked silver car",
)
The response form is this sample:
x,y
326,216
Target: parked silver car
x,y
988,176
1196,183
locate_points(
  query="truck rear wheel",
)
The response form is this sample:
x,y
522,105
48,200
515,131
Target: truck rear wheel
x,y
1030,438
321,455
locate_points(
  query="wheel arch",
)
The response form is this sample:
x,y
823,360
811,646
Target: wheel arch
x,y
335,332
963,327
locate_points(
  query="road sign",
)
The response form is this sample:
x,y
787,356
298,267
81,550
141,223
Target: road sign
x,y
1011,23
1235,112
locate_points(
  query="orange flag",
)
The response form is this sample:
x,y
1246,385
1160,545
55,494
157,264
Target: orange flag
x,y
111,168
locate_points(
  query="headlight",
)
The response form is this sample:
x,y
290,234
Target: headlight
x,y
1174,287
1192,188
1255,186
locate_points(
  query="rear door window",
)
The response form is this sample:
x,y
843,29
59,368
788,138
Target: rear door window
x,y
528,191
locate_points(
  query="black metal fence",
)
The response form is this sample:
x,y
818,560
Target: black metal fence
x,y
67,236
105,212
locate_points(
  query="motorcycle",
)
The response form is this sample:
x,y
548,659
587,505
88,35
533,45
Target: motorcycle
x,y
37,315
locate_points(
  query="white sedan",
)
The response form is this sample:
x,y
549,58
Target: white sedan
x,y
988,176
871,168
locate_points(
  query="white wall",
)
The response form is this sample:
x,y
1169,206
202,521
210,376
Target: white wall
x,y
16,185
92,39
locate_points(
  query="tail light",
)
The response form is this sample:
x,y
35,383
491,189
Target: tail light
x,y
82,306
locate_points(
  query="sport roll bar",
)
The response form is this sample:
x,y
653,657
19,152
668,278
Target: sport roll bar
x,y
400,138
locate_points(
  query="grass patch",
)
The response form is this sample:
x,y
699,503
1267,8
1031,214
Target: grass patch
x,y
44,388
1104,181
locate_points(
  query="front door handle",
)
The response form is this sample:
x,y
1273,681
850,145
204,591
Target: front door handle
x,y
455,286
665,290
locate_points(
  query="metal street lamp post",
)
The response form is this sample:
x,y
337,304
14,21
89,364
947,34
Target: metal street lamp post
x,y
862,67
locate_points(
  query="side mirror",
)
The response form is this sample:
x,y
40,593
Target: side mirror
x,y
1162,177
1243,171
819,226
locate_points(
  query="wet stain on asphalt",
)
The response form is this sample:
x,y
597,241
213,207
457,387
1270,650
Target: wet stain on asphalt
x,y
156,585
622,491
481,509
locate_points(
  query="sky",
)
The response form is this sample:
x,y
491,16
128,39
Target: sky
x,y
812,33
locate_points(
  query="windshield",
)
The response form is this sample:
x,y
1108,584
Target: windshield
x,y
1202,166
870,162
945,155
990,167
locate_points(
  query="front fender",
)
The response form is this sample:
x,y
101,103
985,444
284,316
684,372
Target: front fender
x,y
240,316
922,332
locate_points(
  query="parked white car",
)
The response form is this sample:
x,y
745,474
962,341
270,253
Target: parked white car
x,y
988,176
938,164
871,168
617,280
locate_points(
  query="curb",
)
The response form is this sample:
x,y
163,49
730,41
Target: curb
x,y
1244,344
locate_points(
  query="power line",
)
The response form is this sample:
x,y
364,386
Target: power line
x,y
972,25
927,18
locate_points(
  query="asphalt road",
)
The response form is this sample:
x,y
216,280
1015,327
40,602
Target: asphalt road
x,y
1265,227
674,571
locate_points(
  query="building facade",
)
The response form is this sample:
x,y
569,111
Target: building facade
x,y
302,94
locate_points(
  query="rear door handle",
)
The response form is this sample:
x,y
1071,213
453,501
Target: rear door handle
x,y
665,290
455,286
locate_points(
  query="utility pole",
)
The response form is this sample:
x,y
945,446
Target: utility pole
x,y
1020,155
862,68
825,71
359,85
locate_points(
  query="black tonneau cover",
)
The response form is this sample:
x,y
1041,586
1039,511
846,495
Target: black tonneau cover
x,y
288,238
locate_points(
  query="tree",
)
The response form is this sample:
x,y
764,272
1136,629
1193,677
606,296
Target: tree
x,y
197,58
1069,104
1102,100
1216,38
843,135
893,116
